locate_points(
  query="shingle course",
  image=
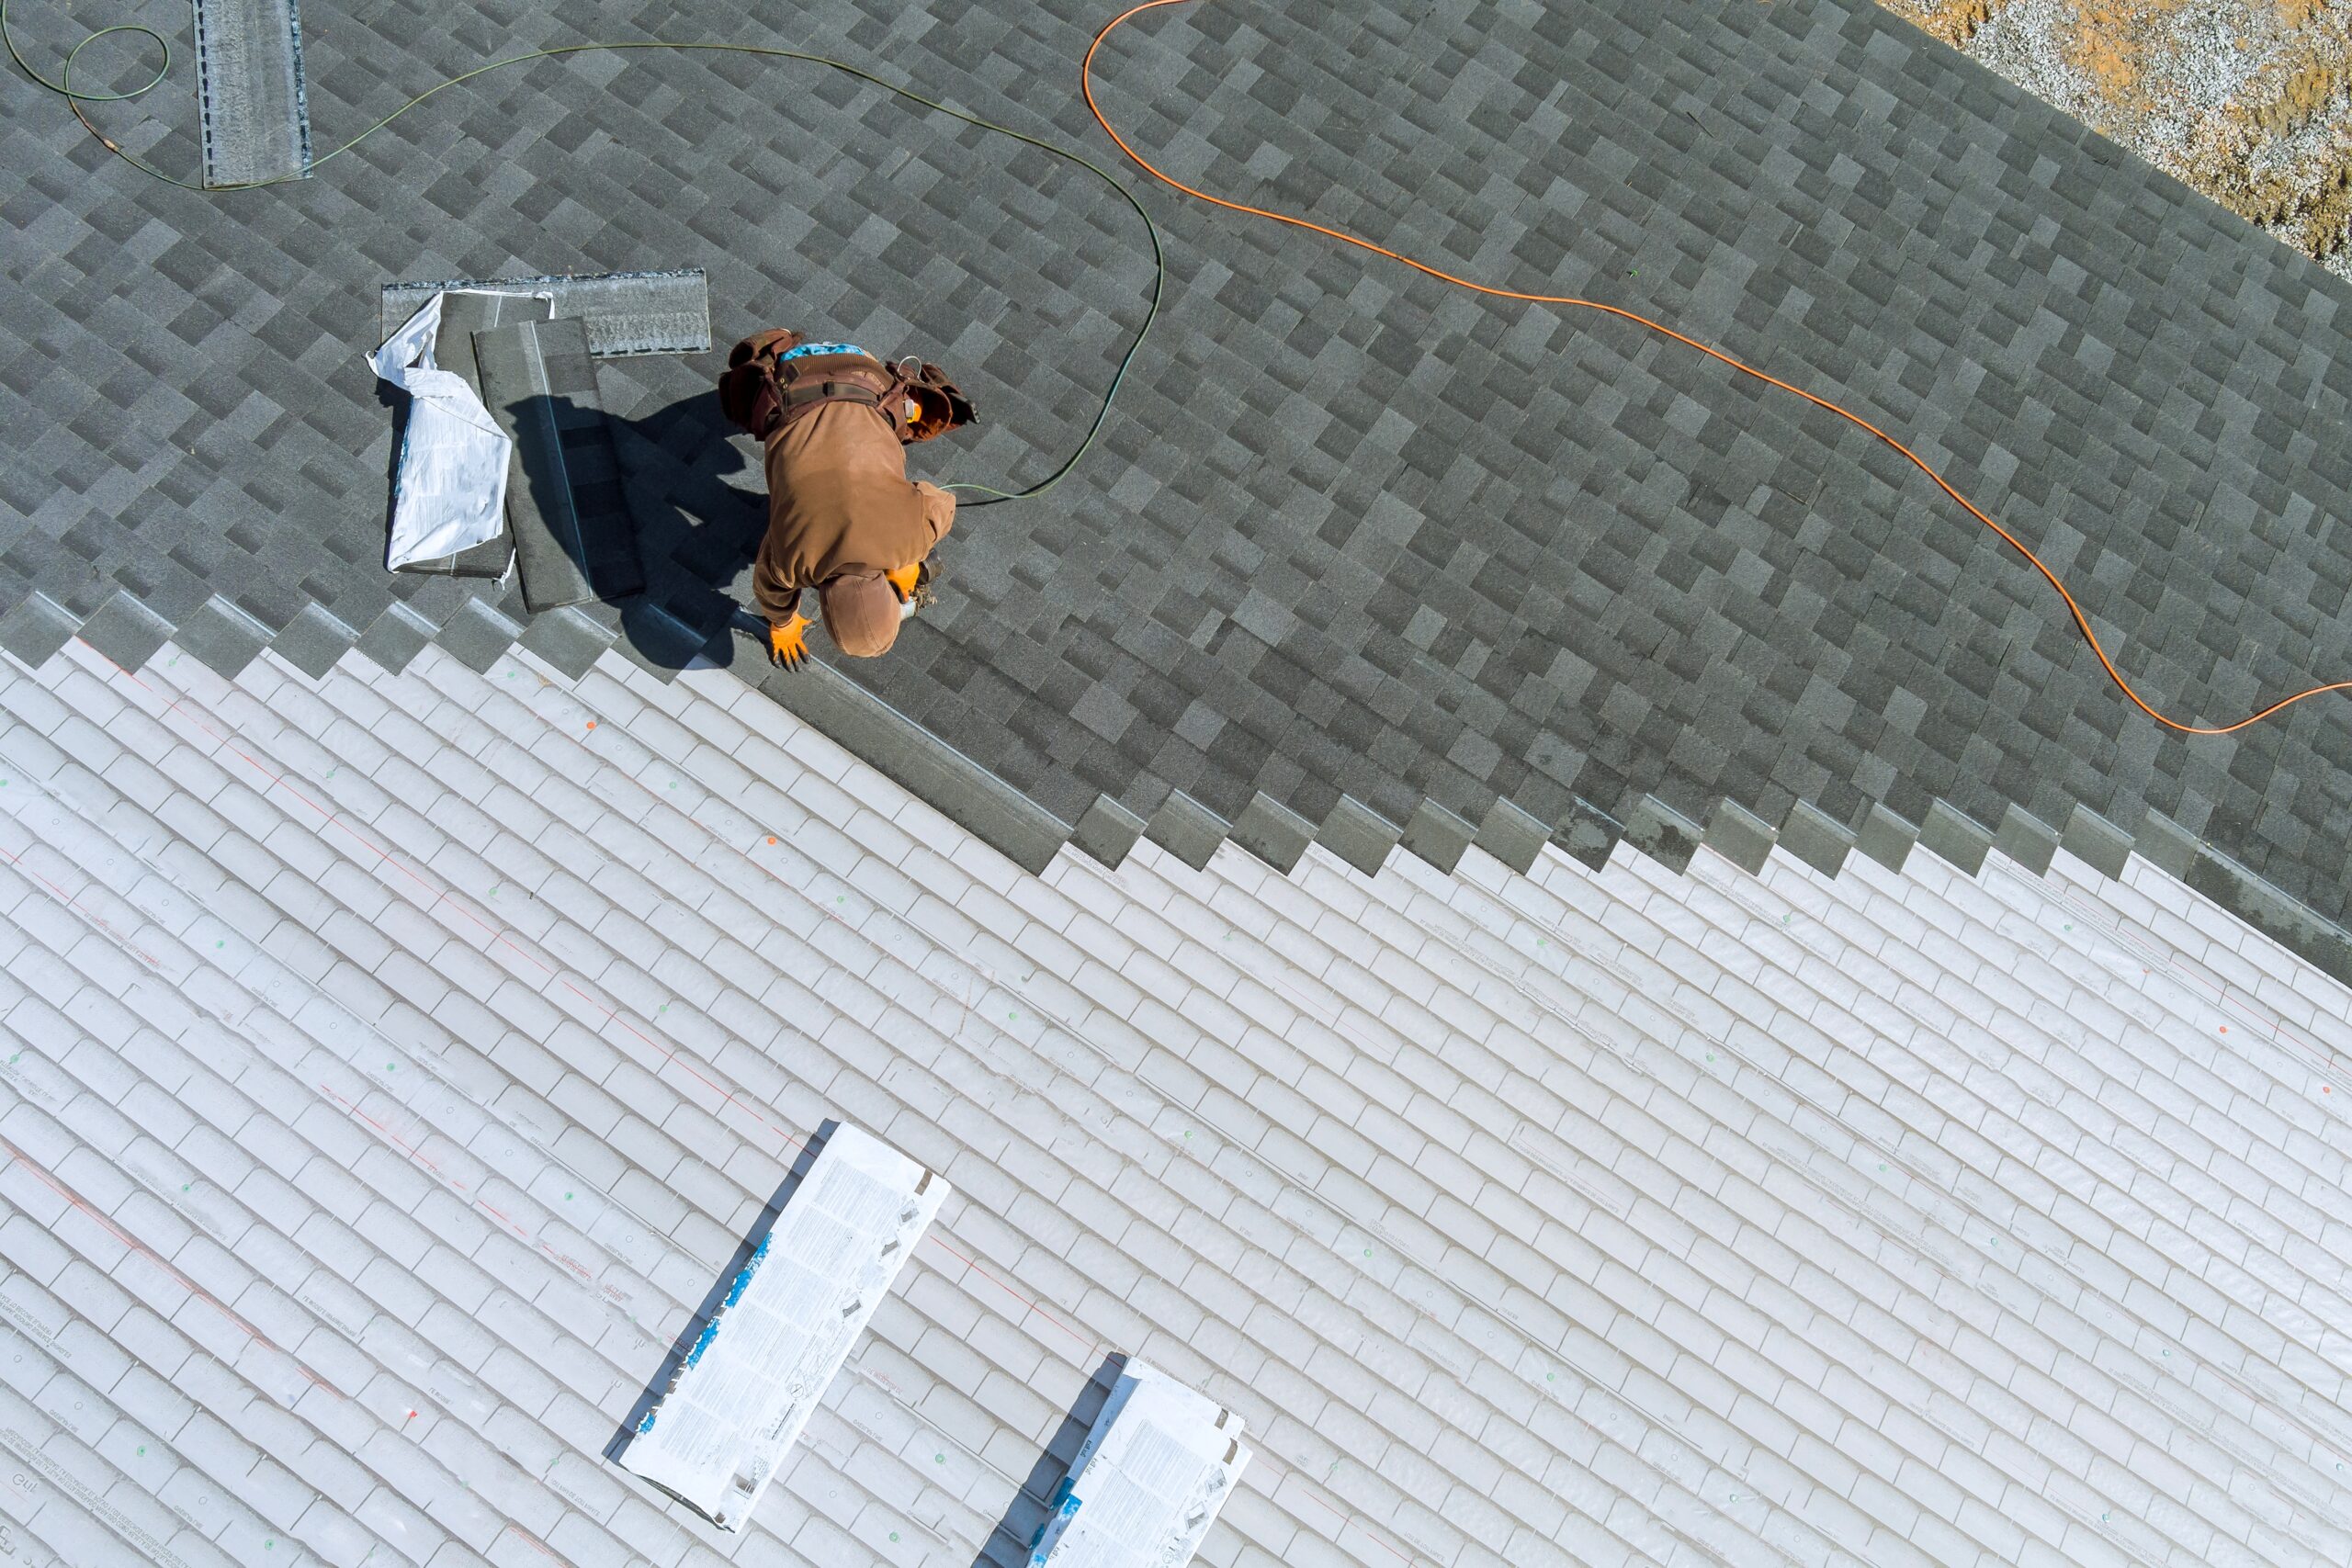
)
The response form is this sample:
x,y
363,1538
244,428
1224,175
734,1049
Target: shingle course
x,y
1333,471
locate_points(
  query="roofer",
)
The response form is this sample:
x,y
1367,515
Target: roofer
x,y
843,516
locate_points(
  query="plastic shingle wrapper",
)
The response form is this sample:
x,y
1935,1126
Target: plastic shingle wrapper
x,y
449,492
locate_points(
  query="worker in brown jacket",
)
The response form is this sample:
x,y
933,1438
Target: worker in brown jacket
x,y
843,516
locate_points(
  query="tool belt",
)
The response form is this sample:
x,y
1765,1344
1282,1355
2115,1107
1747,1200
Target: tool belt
x,y
762,393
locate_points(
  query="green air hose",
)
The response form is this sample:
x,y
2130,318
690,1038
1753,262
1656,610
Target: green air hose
x,y
76,97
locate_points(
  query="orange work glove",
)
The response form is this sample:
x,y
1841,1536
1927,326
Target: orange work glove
x,y
788,644
902,580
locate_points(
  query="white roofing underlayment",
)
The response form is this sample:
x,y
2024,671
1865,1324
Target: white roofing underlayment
x,y
391,1066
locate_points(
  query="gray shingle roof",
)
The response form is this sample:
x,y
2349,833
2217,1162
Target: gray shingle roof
x,y
1350,533
390,1064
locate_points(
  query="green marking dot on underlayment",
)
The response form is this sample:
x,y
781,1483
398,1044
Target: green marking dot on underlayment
x,y
1711,1055
566,1197
142,1450
186,1185
939,1459
1367,1252
894,1535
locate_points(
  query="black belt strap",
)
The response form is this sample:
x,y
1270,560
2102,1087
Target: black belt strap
x,y
823,391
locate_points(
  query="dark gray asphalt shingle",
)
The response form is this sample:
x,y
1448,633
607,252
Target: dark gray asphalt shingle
x,y
1350,533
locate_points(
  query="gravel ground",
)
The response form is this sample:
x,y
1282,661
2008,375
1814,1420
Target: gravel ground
x,y
2250,101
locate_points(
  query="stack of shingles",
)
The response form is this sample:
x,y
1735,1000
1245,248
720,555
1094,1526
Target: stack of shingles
x,y
465,313
526,345
447,1031
568,532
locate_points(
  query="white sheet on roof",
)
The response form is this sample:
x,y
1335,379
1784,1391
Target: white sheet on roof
x,y
790,1319
449,492
1148,1482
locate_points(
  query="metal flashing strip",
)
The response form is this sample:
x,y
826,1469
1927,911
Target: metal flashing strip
x,y
1149,1480
788,1322
252,106
625,312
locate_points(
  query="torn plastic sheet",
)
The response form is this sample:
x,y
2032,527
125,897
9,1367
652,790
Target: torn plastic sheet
x,y
449,492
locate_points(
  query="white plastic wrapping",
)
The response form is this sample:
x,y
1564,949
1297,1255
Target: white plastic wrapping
x,y
1149,1480
789,1320
450,491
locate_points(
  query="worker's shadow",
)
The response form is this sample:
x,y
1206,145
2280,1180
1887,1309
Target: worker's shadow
x,y
1009,1544
698,507
691,1334
643,507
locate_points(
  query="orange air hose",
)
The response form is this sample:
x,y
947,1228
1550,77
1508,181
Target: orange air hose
x,y
2082,621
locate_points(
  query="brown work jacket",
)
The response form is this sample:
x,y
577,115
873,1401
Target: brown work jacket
x,y
838,500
